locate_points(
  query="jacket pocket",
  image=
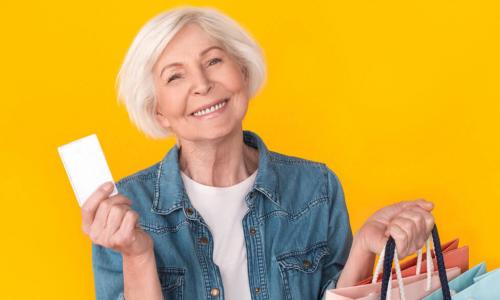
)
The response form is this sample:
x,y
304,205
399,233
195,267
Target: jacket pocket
x,y
172,282
301,271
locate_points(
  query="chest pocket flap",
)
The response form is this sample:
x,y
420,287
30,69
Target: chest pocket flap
x,y
306,260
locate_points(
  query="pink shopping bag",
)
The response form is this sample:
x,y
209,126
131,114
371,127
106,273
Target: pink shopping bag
x,y
414,287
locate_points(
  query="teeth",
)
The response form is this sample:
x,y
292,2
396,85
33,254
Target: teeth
x,y
210,109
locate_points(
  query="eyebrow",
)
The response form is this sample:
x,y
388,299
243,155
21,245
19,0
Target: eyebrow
x,y
199,55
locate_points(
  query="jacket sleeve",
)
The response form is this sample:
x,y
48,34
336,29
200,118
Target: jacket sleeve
x,y
339,234
108,273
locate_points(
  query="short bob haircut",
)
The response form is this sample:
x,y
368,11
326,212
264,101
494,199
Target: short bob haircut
x,y
135,83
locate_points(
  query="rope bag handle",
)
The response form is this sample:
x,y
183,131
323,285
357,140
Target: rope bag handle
x,y
389,254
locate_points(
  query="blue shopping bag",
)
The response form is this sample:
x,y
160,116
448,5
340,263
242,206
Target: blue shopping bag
x,y
485,287
460,283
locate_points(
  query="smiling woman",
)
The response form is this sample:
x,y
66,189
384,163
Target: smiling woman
x,y
221,216
194,76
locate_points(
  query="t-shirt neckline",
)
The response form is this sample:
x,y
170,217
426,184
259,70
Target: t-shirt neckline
x,y
217,188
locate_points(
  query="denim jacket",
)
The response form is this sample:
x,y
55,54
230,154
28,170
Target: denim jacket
x,y
297,231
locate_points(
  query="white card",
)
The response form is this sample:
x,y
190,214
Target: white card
x,y
86,166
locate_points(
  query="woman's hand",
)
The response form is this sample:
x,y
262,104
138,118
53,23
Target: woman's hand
x,y
110,222
409,223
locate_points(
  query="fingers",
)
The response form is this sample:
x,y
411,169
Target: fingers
x,y
422,217
90,206
402,230
114,221
410,228
102,214
126,233
101,193
110,222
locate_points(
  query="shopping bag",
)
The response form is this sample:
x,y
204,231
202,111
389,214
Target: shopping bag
x,y
462,282
446,247
453,257
390,249
413,285
416,286
485,287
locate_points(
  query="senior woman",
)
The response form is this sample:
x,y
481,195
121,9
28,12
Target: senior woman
x,y
221,216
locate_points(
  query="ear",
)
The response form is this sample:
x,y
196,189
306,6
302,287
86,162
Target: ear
x,y
162,120
245,73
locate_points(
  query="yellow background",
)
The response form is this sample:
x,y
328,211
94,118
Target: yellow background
x,y
400,98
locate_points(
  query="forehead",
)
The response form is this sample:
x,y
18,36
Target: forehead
x,y
188,41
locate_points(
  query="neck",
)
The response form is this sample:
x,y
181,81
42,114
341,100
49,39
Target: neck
x,y
220,163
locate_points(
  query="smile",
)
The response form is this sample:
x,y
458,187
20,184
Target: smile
x,y
211,109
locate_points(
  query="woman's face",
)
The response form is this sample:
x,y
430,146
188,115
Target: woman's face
x,y
192,74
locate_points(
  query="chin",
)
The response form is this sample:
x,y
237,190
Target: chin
x,y
221,132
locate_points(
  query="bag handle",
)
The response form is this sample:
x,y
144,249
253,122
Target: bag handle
x,y
430,265
430,268
389,254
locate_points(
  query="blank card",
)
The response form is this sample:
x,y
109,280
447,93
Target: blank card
x,y
86,166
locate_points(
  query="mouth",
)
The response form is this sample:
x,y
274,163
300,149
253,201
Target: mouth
x,y
209,110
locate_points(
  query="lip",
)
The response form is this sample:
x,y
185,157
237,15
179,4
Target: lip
x,y
209,105
213,115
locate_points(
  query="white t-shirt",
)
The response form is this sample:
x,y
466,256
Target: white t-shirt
x,y
223,209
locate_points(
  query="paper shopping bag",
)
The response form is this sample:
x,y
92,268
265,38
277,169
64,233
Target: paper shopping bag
x,y
453,257
446,247
413,285
409,288
391,252
462,282
485,287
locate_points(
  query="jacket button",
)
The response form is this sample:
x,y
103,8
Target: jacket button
x,y
189,211
257,290
253,231
307,264
203,240
214,292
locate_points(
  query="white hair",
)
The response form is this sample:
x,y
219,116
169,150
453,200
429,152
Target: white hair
x,y
135,83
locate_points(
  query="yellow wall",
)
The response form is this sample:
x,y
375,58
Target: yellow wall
x,y
400,98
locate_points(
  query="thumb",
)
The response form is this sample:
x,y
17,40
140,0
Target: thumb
x,y
427,205
422,203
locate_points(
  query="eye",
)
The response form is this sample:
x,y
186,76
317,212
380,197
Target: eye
x,y
175,76
214,60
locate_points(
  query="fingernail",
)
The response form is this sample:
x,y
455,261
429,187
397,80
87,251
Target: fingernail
x,y
107,186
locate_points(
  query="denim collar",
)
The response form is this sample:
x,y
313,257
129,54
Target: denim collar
x,y
170,194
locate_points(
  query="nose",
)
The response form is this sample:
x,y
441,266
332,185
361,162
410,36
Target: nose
x,y
202,84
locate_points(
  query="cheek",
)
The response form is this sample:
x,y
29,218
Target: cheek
x,y
232,78
171,101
